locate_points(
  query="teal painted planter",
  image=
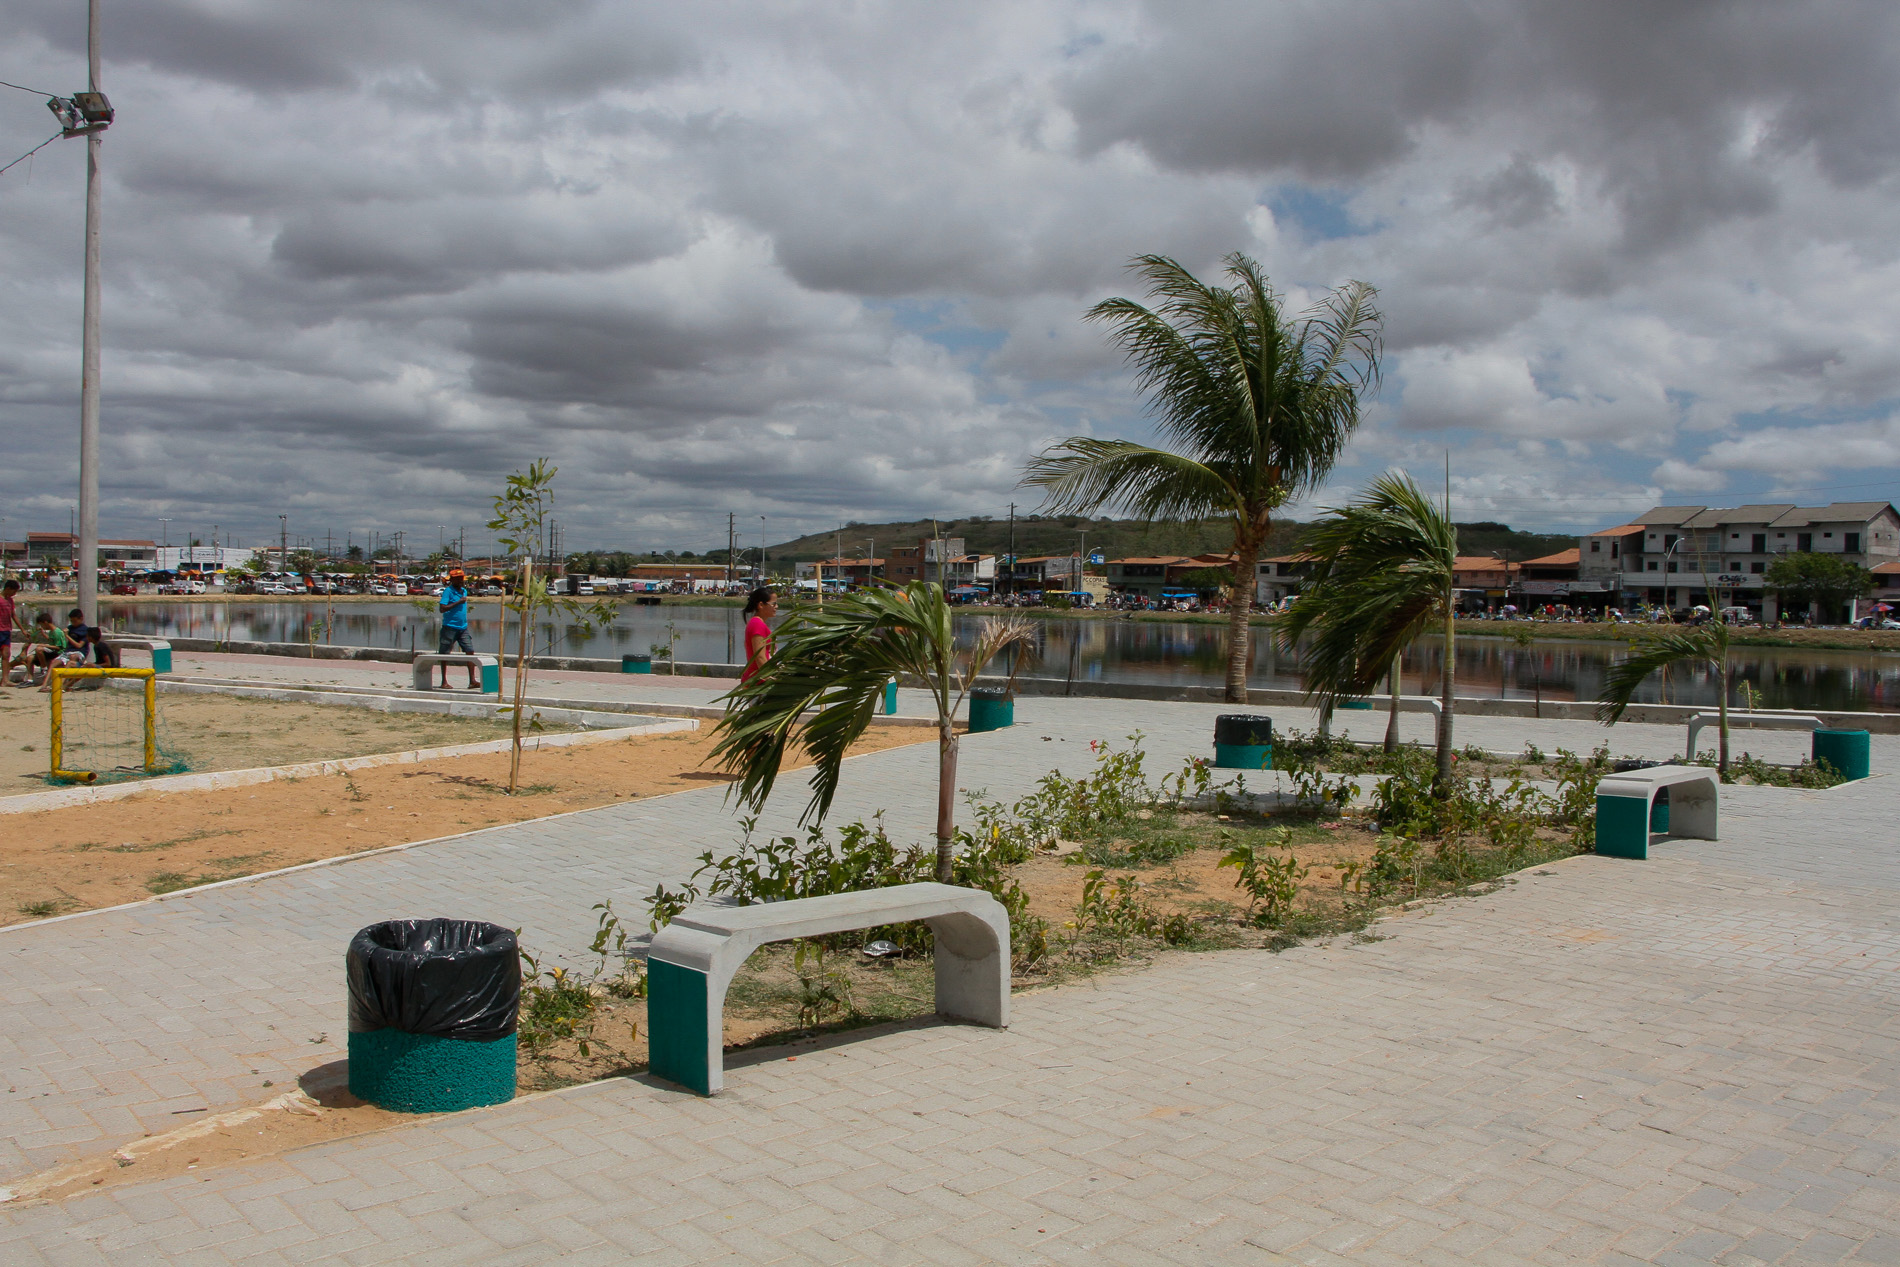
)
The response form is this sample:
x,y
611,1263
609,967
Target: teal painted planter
x,y
636,664
1243,756
890,698
1848,751
1357,704
491,678
161,659
1622,827
988,713
677,1024
423,1073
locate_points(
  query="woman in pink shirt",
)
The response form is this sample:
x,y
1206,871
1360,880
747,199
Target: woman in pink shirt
x,y
759,608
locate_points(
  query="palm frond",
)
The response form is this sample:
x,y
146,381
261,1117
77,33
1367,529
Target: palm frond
x,y
832,662
1384,568
1083,473
1707,644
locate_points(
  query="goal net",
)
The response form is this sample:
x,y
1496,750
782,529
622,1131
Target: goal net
x,y
106,726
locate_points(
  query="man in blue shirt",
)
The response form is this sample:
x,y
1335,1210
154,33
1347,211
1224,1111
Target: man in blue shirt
x,y
454,609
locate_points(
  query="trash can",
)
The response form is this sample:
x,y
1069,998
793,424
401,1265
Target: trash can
x,y
1361,704
1243,741
636,663
890,698
1848,751
1659,811
991,708
433,1009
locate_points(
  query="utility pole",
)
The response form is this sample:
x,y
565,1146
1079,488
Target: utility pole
x,y
1082,558
283,542
88,115
761,549
732,543
1012,549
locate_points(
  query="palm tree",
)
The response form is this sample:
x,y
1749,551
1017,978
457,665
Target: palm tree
x,y
1384,571
1259,408
1705,644
832,662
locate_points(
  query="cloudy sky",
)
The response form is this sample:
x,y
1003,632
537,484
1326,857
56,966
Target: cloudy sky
x,y
827,261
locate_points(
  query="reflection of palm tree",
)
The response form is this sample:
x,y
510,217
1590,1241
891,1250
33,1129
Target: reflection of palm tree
x,y
1705,645
1260,409
833,662
1384,570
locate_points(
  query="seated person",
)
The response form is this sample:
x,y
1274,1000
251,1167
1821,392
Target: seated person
x,y
46,647
103,653
76,629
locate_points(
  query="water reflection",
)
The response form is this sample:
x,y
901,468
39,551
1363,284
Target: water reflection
x,y
1085,651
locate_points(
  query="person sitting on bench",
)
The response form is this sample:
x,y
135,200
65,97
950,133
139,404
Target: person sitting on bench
x,y
454,608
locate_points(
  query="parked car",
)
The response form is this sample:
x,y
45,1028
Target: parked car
x,y
489,591
127,587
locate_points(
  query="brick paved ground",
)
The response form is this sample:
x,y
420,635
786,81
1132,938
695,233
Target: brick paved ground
x,y
1689,1060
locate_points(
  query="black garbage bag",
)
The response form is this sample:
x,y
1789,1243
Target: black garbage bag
x,y
1244,729
452,978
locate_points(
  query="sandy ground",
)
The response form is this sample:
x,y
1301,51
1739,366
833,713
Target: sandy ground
x,y
209,732
54,862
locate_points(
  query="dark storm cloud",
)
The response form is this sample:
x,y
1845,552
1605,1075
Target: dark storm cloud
x,y
1655,100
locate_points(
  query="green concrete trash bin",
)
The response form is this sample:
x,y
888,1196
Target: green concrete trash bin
x,y
1356,703
1243,741
1849,751
161,659
636,663
1659,812
890,698
991,708
433,1010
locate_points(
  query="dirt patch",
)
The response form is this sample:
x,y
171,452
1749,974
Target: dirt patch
x,y
210,732
54,862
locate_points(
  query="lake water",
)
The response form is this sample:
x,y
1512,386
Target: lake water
x,y
1087,650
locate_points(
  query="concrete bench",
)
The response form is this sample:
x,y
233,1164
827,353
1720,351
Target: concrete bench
x,y
422,672
161,650
692,961
1751,721
1625,803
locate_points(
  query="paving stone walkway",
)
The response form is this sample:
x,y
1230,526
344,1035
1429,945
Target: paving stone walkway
x,y
1689,1060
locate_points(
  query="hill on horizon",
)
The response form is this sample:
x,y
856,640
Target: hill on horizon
x,y
1119,538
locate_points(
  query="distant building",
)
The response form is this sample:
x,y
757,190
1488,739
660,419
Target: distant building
x,y
1681,556
1280,578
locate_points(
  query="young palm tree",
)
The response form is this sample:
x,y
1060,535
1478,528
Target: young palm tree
x,y
832,662
1707,644
1384,571
1259,408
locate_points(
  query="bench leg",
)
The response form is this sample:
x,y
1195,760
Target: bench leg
x,y
972,956
1623,826
684,1034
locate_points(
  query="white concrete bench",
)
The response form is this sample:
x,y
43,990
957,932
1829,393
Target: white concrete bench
x,y
692,961
1407,704
161,650
1751,721
421,673
1626,803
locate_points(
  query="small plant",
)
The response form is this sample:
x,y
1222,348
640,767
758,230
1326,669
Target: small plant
x,y
40,909
1533,755
1118,910
1271,884
823,992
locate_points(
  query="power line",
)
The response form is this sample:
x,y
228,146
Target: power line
x,y
36,149
23,88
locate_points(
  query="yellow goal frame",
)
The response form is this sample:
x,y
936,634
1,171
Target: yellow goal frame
x,y
57,680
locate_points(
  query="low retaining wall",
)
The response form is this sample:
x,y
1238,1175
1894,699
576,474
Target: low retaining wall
x,y
1468,706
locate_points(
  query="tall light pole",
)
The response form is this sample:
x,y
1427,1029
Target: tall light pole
x,y
165,530
88,115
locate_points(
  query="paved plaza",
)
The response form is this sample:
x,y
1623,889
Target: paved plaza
x,y
1686,1060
